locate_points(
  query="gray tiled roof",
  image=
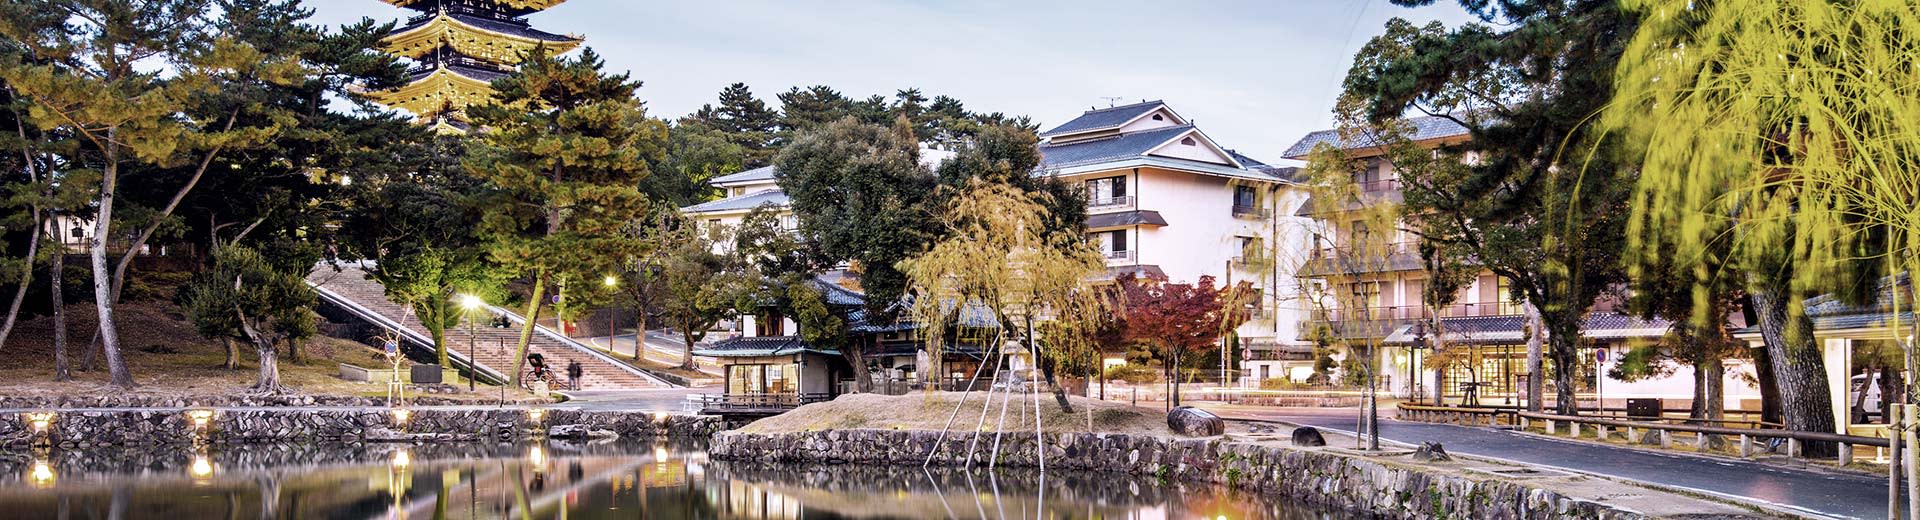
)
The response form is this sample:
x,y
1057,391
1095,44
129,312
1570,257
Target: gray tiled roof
x,y
1125,218
1499,330
761,346
1830,313
1427,127
763,173
1123,146
1105,118
774,198
520,29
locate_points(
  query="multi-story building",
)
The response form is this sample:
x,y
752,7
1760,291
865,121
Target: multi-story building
x,y
1165,200
1383,285
458,47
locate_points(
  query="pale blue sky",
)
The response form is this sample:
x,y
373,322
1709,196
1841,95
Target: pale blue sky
x,y
1255,75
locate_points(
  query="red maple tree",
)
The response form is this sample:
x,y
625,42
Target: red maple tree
x,y
1176,318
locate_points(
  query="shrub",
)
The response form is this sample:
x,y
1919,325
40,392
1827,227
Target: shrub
x,y
1132,373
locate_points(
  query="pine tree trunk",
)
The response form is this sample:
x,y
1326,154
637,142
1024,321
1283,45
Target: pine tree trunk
x,y
233,354
26,278
855,353
269,379
1563,344
639,334
1710,392
1536,370
686,346
1799,371
526,331
439,334
102,279
293,351
55,284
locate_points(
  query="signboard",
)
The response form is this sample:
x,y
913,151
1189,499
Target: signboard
x,y
392,348
1600,355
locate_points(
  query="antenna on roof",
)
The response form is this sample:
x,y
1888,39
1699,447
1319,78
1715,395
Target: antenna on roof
x,y
1112,99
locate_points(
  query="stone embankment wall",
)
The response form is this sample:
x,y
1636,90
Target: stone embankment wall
x,y
1351,482
92,428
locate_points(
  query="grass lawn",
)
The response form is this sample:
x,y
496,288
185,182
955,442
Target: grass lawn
x,y
930,410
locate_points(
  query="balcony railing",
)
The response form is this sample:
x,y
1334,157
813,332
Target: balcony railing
x,y
1358,250
1120,256
1379,185
1409,312
1251,211
1109,202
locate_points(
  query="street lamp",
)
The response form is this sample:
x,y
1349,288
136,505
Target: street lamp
x,y
610,281
471,303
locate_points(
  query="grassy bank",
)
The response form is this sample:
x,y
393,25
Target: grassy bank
x,y
931,410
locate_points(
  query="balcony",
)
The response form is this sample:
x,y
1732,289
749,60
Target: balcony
x,y
1109,203
1363,258
1378,186
1119,256
1251,212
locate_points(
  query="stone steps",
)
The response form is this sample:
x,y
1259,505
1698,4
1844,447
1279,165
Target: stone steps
x,y
491,347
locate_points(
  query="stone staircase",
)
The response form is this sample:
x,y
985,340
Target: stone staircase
x,y
493,347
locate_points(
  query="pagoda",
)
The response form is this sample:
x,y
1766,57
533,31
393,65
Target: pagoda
x,y
458,48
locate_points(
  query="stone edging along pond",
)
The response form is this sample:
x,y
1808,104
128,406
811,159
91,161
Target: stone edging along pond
x,y
88,428
1344,481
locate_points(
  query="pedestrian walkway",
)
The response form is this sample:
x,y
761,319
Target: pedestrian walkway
x,y
491,347
1819,493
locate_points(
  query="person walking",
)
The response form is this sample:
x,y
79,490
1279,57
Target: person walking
x,y
574,370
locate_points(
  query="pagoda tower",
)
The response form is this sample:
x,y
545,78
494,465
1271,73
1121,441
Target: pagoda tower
x,y
458,48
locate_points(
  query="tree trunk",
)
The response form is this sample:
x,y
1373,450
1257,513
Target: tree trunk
x,y
1536,370
102,279
855,354
293,351
1799,370
55,284
233,354
686,345
439,335
526,331
269,380
1563,344
1173,396
639,334
1709,389
26,278
1762,368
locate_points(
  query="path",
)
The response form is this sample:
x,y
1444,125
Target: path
x,y
492,347
1829,494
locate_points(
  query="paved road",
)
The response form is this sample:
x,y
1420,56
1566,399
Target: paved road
x,y
661,348
1839,495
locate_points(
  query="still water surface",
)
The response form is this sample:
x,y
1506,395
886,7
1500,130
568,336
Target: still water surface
x,y
572,481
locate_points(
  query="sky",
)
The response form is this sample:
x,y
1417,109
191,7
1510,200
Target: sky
x,y
1254,75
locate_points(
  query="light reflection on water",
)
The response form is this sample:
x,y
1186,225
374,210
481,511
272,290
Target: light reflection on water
x,y
571,481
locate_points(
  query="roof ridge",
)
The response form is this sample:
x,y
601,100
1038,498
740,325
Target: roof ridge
x,y
1128,105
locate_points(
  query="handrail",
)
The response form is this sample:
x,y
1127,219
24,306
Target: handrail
x,y
575,344
488,374
1716,430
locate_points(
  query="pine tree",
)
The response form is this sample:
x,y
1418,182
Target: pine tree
x,y
745,120
802,110
567,146
863,197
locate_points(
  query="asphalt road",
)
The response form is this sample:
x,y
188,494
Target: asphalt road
x,y
1830,494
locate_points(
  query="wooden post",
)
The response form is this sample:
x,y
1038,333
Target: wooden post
x,y
1700,442
1633,434
1575,427
1793,447
1846,454
1910,417
1666,438
1894,438
1552,428
1746,446
1602,431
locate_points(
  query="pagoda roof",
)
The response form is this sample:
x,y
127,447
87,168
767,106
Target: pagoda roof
x,y
493,40
433,90
515,7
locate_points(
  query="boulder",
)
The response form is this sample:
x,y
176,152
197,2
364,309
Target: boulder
x,y
1308,436
1431,452
1194,422
578,431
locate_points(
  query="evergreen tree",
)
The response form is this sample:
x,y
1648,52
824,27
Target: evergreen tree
x,y
87,82
862,197
1522,209
567,148
245,296
802,110
696,153
745,120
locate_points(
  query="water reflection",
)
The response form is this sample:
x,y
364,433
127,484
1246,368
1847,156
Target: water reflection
x,y
567,480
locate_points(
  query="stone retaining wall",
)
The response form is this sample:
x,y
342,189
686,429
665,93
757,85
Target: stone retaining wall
x,y
93,428
1351,482
414,397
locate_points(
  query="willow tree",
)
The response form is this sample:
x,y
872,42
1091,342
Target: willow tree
x,y
999,256
566,145
1795,126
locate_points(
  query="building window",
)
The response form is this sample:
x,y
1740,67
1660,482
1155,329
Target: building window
x,y
1114,243
1157,117
1107,191
79,233
1189,141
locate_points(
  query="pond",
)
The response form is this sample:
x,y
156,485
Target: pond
x,y
622,479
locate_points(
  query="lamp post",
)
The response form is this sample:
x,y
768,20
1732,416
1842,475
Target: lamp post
x,y
611,282
1419,342
471,304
